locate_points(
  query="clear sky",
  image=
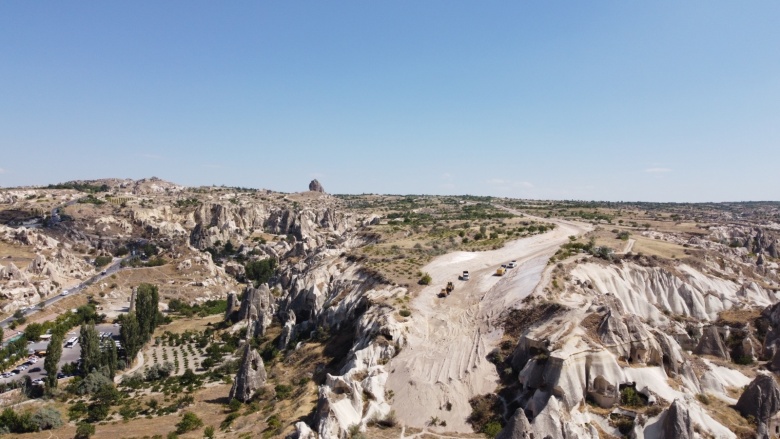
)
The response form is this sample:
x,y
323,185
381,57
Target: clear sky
x,y
605,100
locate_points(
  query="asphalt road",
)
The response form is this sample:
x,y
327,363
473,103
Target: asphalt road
x,y
69,355
112,268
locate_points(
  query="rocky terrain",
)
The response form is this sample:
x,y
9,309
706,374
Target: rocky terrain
x,y
630,320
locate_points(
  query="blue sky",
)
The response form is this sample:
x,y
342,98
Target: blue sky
x,y
612,100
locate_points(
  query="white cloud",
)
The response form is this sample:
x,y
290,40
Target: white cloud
x,y
446,176
657,170
2,171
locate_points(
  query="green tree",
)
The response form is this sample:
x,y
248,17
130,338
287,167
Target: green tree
x,y
90,348
33,331
2,334
146,304
102,261
261,271
109,357
130,335
51,362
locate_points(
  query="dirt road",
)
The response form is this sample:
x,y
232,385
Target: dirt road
x,y
444,363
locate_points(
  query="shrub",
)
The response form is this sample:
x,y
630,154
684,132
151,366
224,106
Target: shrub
x,y
234,405
261,271
190,421
629,397
208,433
229,420
425,279
90,384
405,313
485,411
102,261
283,391
97,412
491,429
84,431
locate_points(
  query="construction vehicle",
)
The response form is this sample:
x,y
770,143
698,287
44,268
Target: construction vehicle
x,y
501,271
447,290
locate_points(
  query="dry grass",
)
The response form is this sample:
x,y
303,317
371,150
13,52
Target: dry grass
x,y
404,249
657,247
208,406
726,415
739,317
19,255
194,323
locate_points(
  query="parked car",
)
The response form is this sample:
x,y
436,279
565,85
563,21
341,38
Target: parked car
x,y
512,264
465,275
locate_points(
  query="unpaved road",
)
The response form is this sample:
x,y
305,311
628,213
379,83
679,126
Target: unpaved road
x,y
444,364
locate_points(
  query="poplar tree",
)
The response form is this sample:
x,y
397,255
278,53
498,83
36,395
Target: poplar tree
x,y
51,362
109,357
147,302
90,348
130,335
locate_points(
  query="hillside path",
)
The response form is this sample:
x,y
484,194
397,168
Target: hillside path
x,y
444,363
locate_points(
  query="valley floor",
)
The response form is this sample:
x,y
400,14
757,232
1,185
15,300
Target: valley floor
x,y
444,363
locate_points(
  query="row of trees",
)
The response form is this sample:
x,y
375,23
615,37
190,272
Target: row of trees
x,y
139,325
101,354
97,354
84,315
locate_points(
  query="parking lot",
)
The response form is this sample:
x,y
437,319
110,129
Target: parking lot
x,y
33,367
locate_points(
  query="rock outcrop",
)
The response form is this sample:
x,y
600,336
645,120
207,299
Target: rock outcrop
x,y
677,422
761,400
258,305
315,186
518,427
711,343
232,305
288,331
251,375
651,292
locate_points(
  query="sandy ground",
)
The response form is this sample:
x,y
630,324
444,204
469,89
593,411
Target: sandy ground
x,y
444,364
